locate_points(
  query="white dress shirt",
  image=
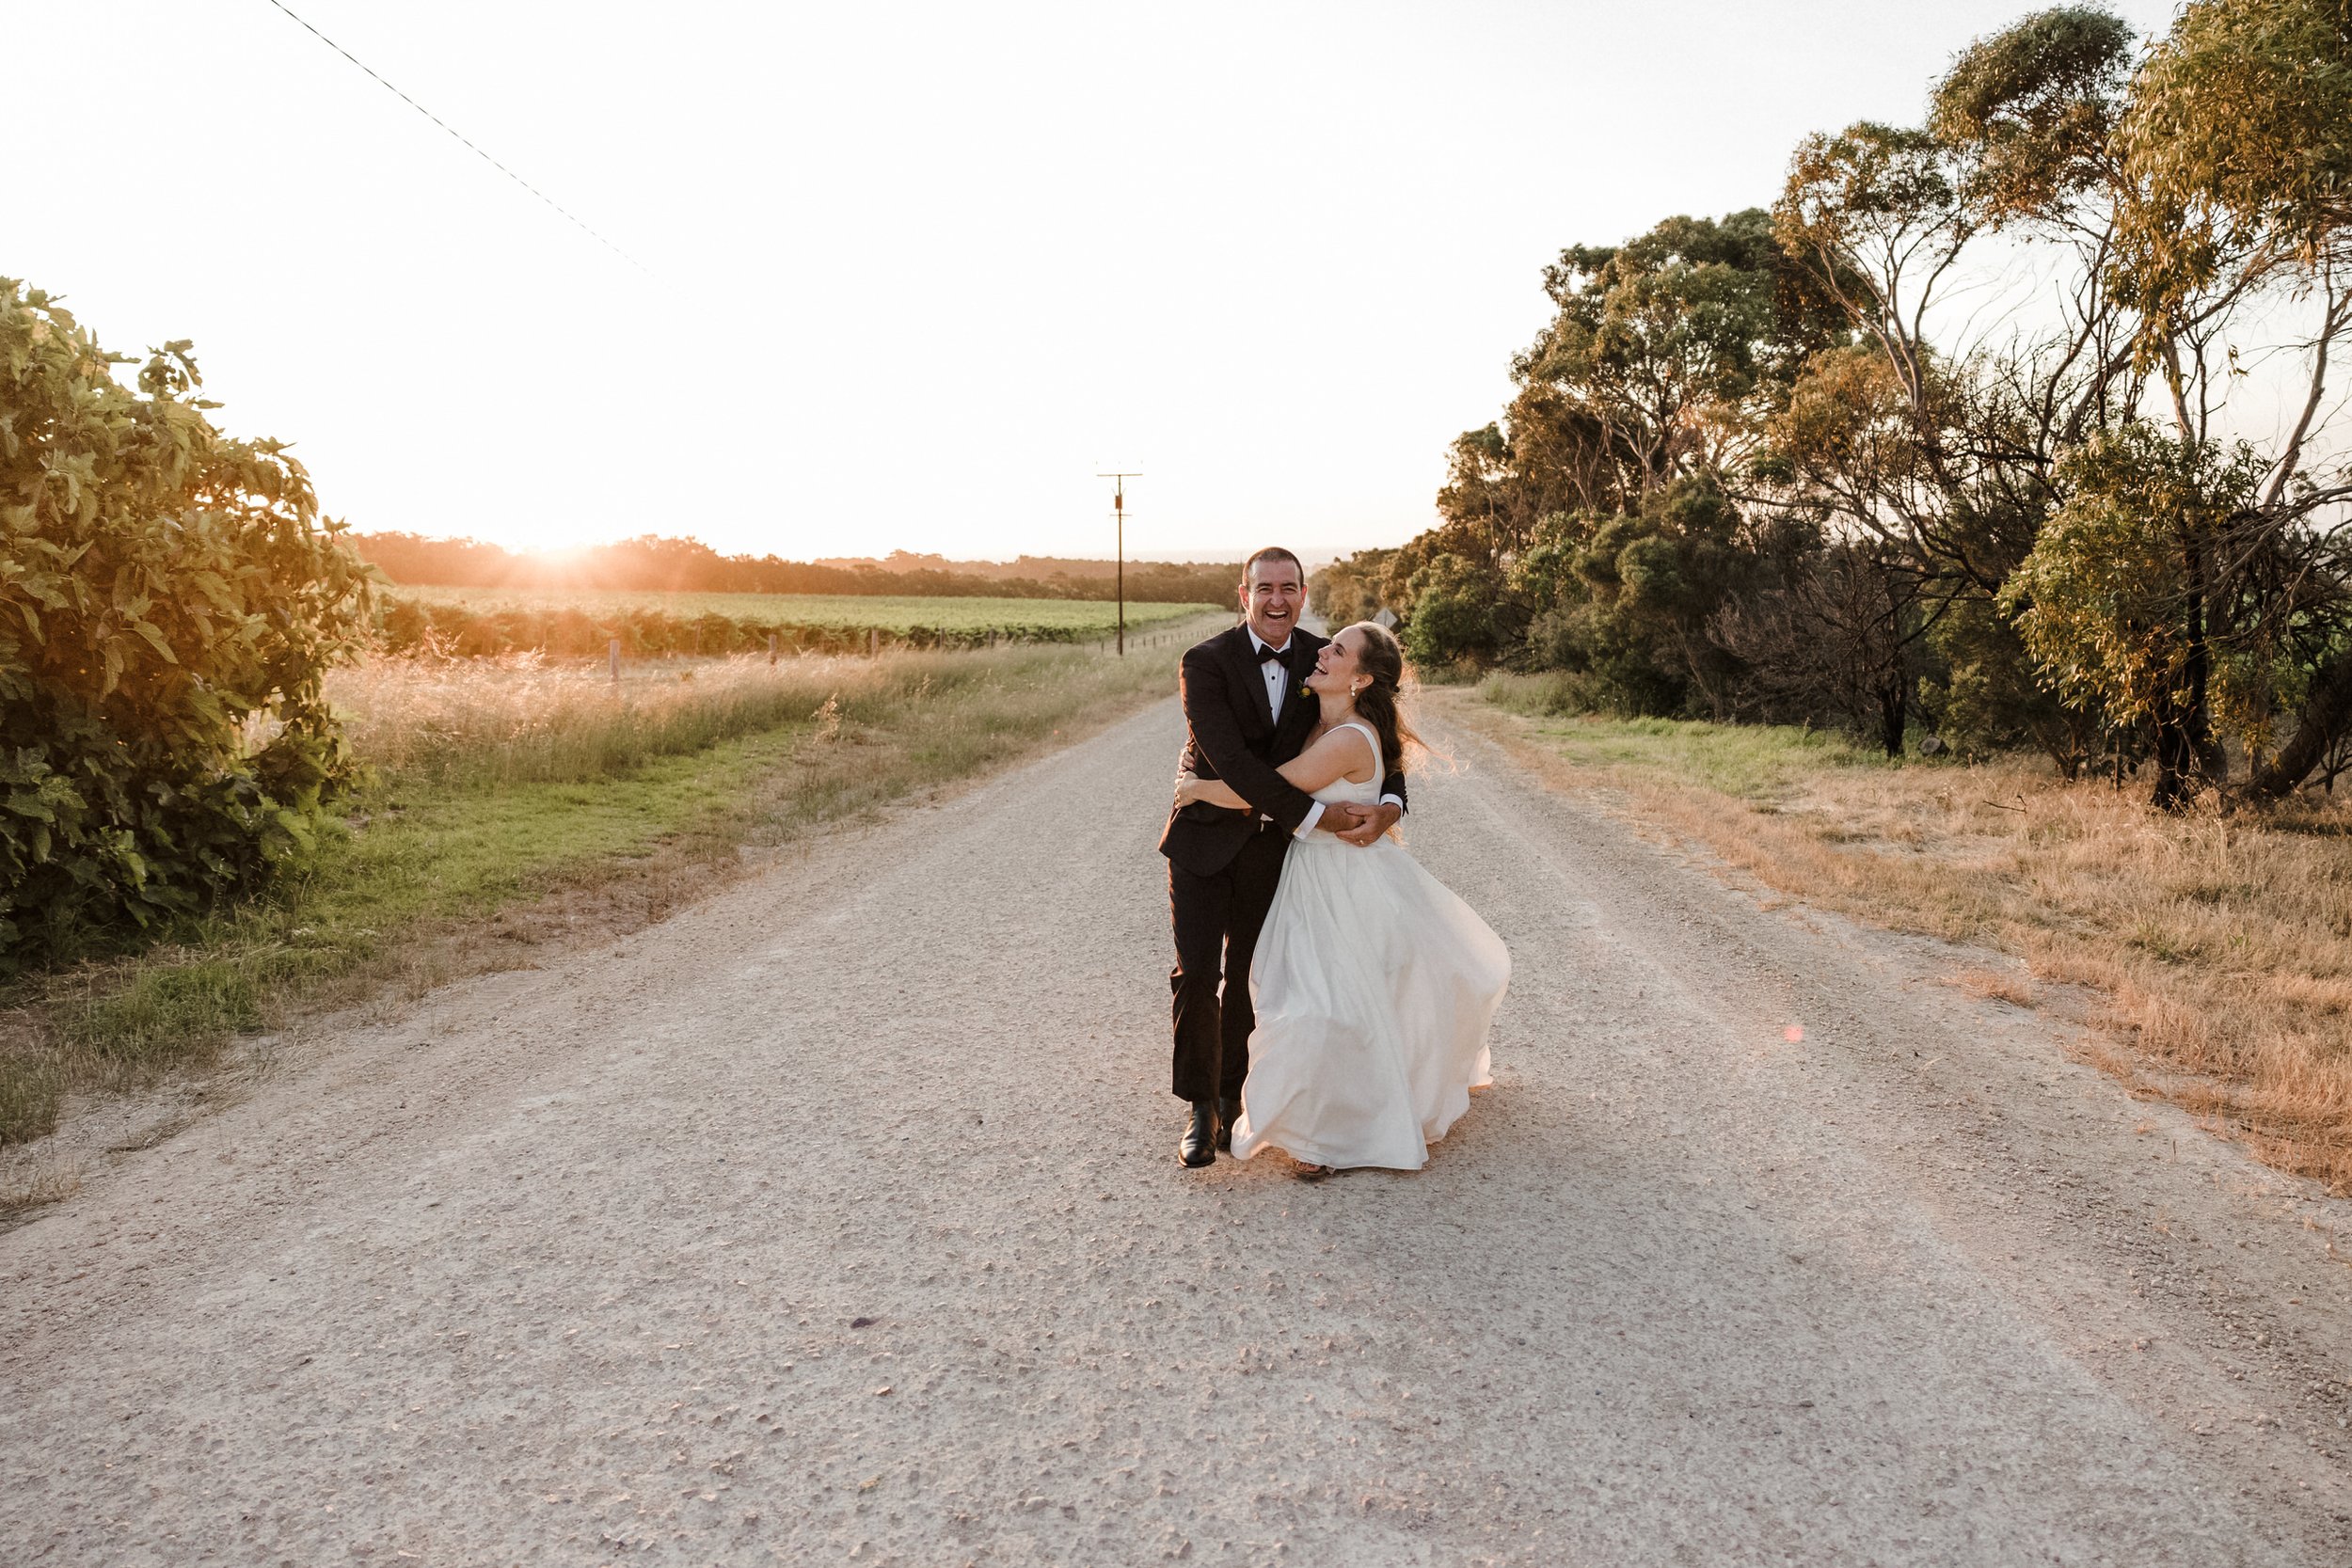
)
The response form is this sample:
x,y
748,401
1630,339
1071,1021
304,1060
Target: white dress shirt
x,y
1277,683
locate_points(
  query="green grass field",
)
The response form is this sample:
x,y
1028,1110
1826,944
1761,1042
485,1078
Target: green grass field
x,y
889,614
1757,763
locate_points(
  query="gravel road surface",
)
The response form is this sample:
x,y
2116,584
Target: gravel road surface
x,y
837,1219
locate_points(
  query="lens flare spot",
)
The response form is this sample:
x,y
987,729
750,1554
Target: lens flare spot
x,y
1794,1033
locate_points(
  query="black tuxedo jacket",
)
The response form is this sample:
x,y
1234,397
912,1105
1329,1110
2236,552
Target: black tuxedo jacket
x,y
1234,735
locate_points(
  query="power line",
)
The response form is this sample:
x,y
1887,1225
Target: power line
x,y
477,152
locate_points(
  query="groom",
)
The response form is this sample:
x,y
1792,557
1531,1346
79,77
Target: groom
x,y
1247,714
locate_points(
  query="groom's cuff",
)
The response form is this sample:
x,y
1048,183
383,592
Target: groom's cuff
x,y
1396,800
1307,823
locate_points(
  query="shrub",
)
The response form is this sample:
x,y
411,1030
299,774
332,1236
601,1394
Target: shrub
x,y
1349,590
1453,619
2124,600
1991,697
170,600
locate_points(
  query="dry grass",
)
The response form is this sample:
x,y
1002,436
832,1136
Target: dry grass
x,y
2222,944
526,719
1991,984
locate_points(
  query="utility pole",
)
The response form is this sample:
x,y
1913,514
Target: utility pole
x,y
1118,509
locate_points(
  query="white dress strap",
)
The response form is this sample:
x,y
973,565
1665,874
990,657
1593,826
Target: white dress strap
x,y
1379,767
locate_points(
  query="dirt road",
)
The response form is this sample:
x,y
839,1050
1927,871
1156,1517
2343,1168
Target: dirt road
x,y
837,1219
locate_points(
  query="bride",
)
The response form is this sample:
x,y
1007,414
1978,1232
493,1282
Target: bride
x,y
1373,984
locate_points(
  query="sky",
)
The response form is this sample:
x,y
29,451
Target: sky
x,y
895,277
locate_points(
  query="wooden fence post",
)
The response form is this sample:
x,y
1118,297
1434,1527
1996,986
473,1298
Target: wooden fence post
x,y
613,652
873,642
771,647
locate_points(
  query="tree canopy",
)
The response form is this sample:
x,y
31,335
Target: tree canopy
x,y
1763,466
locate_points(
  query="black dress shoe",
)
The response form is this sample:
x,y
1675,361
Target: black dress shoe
x,y
1198,1146
1228,1113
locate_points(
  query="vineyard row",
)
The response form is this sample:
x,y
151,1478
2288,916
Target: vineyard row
x,y
464,631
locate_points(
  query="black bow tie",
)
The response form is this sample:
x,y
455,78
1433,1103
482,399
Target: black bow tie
x,y
1268,654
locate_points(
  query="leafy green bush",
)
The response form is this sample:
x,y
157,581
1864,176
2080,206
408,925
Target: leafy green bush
x,y
1453,619
2120,604
170,600
1991,696
1626,601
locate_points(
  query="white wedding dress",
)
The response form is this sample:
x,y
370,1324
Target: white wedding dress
x,y
1375,986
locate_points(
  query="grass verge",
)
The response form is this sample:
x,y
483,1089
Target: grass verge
x,y
2222,944
516,800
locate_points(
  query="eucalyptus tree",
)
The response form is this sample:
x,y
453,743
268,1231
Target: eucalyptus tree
x,y
1661,361
1824,369
2118,601
1663,356
2043,142
1948,451
2239,138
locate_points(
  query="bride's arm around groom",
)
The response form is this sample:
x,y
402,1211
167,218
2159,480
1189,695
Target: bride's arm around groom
x,y
1339,755
1217,748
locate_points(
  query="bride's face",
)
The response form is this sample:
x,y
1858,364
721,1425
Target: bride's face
x,y
1336,667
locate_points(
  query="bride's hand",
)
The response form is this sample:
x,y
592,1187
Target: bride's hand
x,y
1187,788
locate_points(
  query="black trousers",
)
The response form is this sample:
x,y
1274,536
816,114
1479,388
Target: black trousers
x,y
1217,920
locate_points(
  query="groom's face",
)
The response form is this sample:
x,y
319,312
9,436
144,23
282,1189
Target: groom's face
x,y
1271,597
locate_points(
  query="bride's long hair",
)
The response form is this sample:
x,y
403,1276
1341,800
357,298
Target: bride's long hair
x,y
1376,705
